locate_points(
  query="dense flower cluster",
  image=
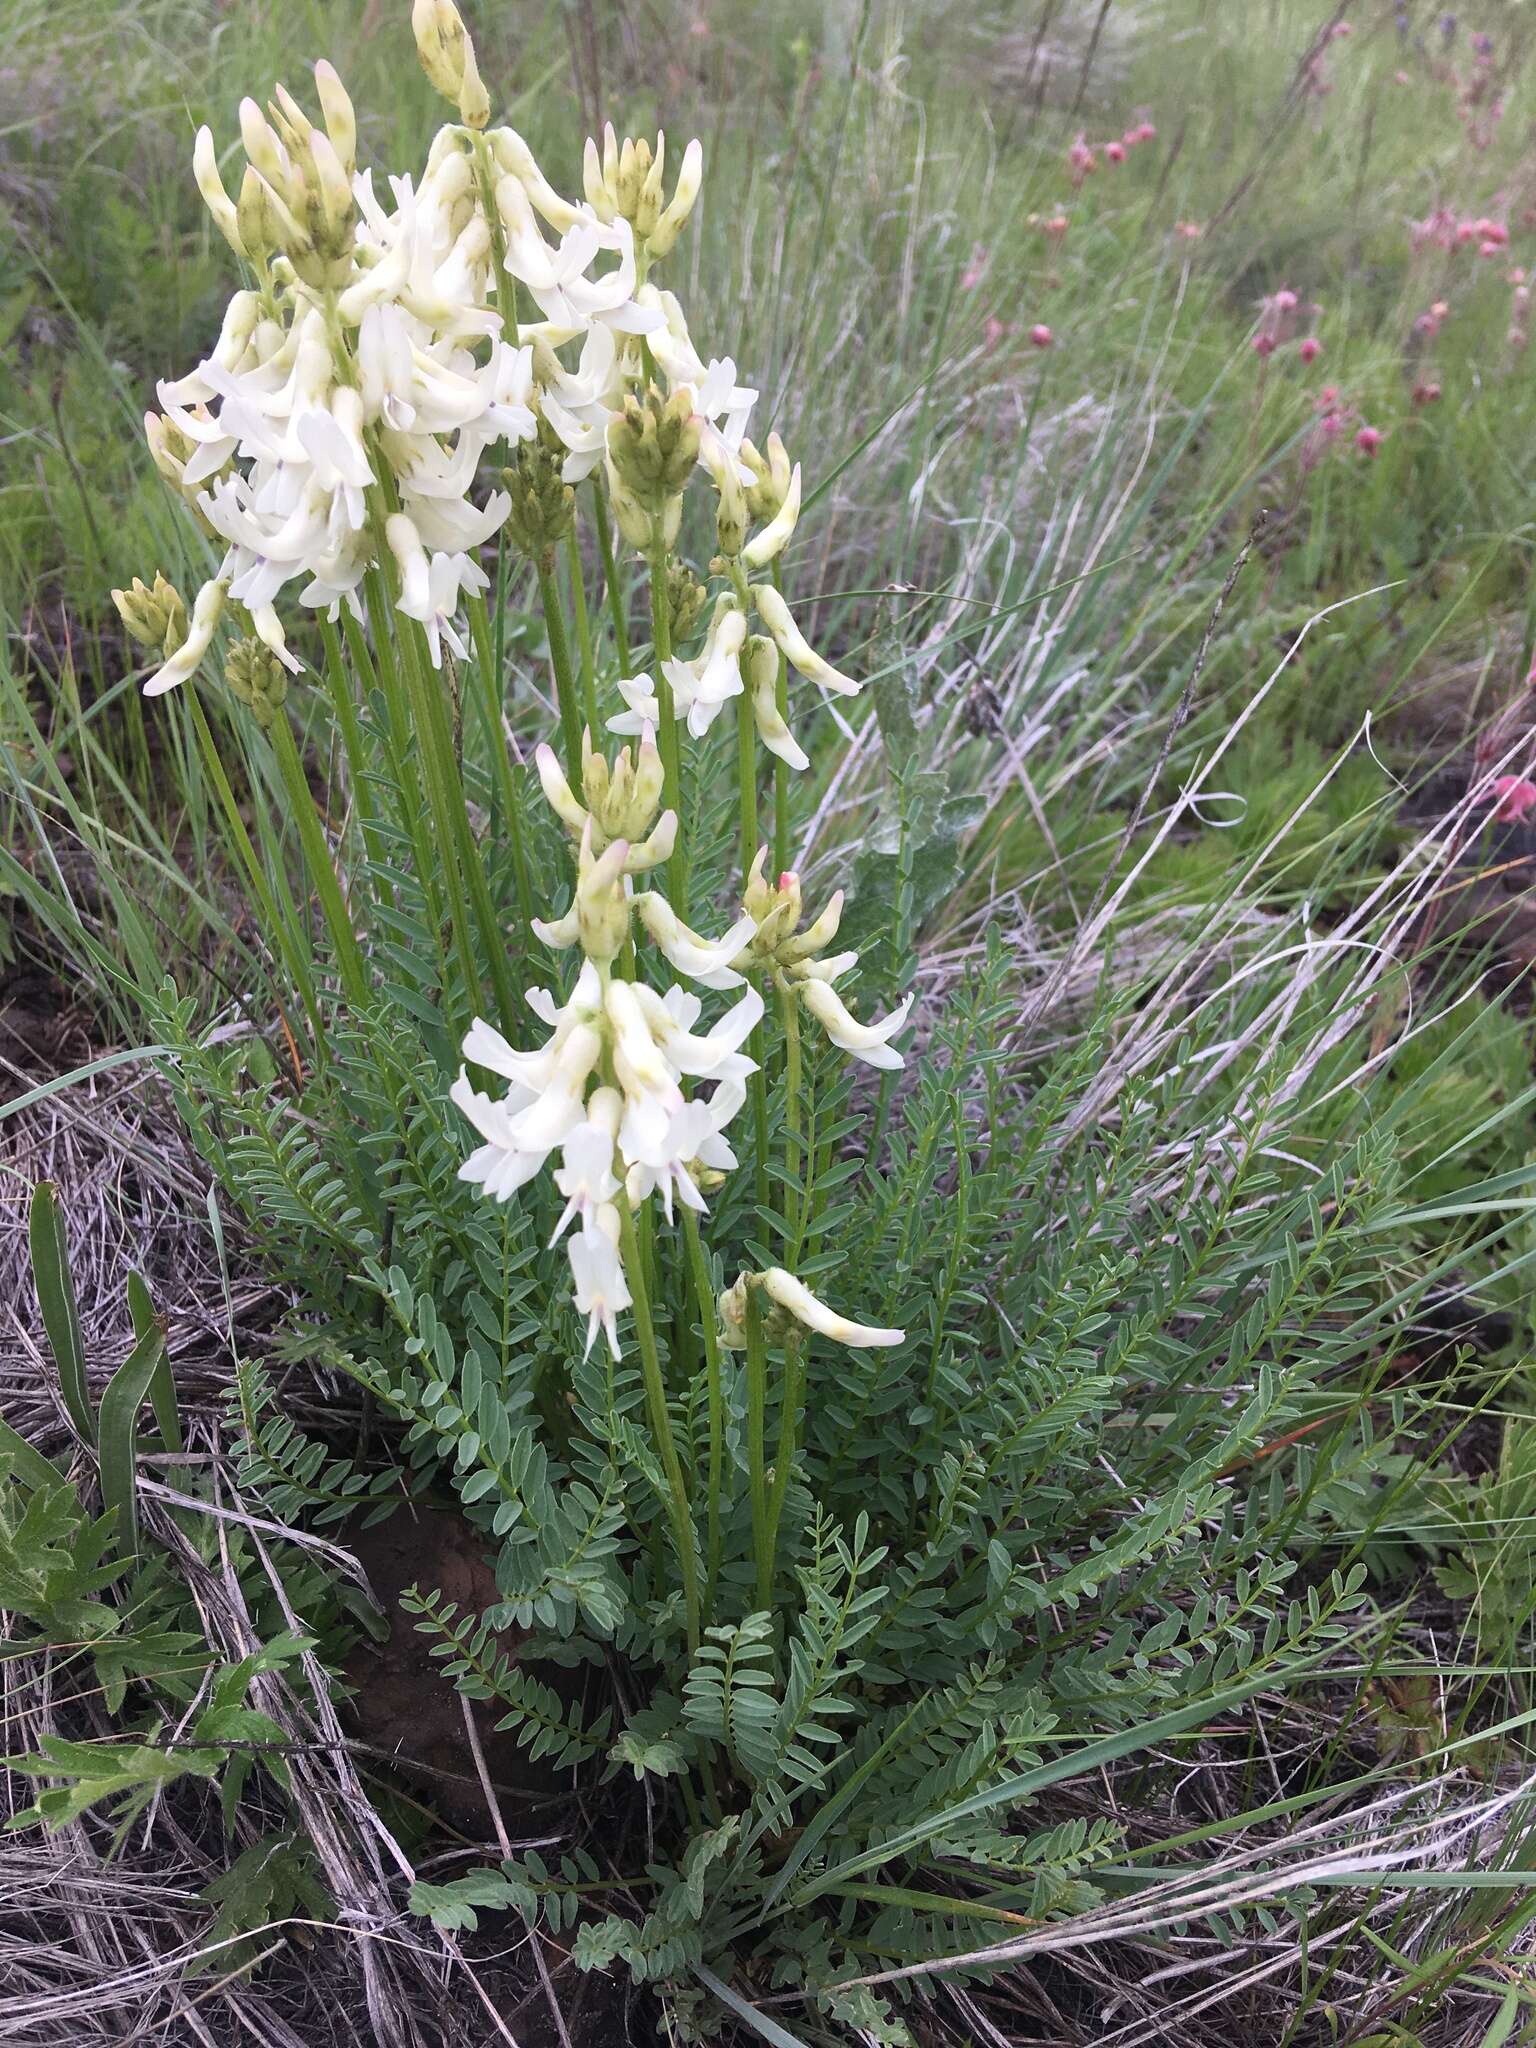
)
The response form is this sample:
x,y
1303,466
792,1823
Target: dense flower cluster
x,y
390,347
343,417
607,1089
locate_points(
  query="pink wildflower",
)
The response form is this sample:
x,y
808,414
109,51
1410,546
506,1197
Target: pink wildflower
x,y
1515,798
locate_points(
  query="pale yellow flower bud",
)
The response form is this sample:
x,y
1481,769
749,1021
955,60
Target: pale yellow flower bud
x,y
154,614
256,677
290,120
655,850
789,1298
792,643
760,669
625,182
797,1299
633,517
333,195
557,791
602,908
262,145
340,121
206,613
758,896
731,517
448,58
818,935
674,218
760,551
261,224
205,169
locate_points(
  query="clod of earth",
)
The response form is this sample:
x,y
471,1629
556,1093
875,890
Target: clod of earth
x,y
402,1702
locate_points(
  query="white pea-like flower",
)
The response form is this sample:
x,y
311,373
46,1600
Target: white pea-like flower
x,y
642,710
206,613
707,684
795,1297
867,1042
774,538
796,962
707,961
629,1136
793,645
790,1299
599,1289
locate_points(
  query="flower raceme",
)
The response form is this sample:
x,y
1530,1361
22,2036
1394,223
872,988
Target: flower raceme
x,y
341,421
607,1089
631,1137
734,661
342,418
793,961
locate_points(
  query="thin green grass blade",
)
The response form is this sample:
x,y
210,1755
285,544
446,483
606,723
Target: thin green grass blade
x,y
162,1388
56,1298
759,2022
120,1405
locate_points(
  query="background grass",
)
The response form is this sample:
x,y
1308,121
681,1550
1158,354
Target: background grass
x,y
1032,542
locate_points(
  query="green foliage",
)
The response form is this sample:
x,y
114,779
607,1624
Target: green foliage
x,y
1492,1546
266,1885
544,1724
56,1298
51,1559
1047,1515
526,1885
298,1476
225,1739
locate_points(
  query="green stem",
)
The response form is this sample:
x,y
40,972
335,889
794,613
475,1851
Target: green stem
x,y
789,1425
418,812
277,927
583,629
668,739
780,768
746,777
489,672
704,1300
661,1421
457,857
757,1406
359,786
611,577
317,858
757,1045
455,809
560,661
789,1012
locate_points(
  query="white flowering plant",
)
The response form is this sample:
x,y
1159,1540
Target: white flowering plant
x,y
759,1350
